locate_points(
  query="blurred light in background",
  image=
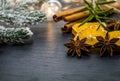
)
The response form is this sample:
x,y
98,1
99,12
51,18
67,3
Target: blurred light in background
x,y
50,8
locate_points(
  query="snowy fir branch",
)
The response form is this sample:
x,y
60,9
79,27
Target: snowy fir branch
x,y
14,35
19,16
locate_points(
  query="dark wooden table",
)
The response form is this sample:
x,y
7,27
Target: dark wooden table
x,y
46,60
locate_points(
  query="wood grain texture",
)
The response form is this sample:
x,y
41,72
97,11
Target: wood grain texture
x,y
45,60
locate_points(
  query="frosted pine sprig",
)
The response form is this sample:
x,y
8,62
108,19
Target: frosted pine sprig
x,y
14,35
19,16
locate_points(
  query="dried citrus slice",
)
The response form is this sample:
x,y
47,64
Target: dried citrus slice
x,y
115,34
90,31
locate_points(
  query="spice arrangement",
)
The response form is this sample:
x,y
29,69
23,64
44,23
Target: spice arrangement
x,y
92,27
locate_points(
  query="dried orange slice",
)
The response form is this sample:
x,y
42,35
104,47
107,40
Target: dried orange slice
x,y
115,34
90,31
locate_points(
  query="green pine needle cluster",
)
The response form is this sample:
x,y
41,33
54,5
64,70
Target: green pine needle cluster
x,y
96,12
19,16
14,35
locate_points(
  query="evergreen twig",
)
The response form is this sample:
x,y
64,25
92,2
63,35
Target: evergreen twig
x,y
14,35
19,16
96,12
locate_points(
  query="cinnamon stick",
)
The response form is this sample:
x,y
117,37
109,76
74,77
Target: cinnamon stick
x,y
59,16
65,30
116,5
114,8
76,16
68,27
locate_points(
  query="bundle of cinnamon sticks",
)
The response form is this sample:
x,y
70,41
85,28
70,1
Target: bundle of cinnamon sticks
x,y
73,16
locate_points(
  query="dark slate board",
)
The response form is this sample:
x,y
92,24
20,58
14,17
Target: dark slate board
x,y
45,60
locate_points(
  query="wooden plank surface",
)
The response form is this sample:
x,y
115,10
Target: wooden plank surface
x,y
45,60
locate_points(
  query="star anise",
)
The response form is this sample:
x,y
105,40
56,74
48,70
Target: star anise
x,y
76,47
113,24
106,44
